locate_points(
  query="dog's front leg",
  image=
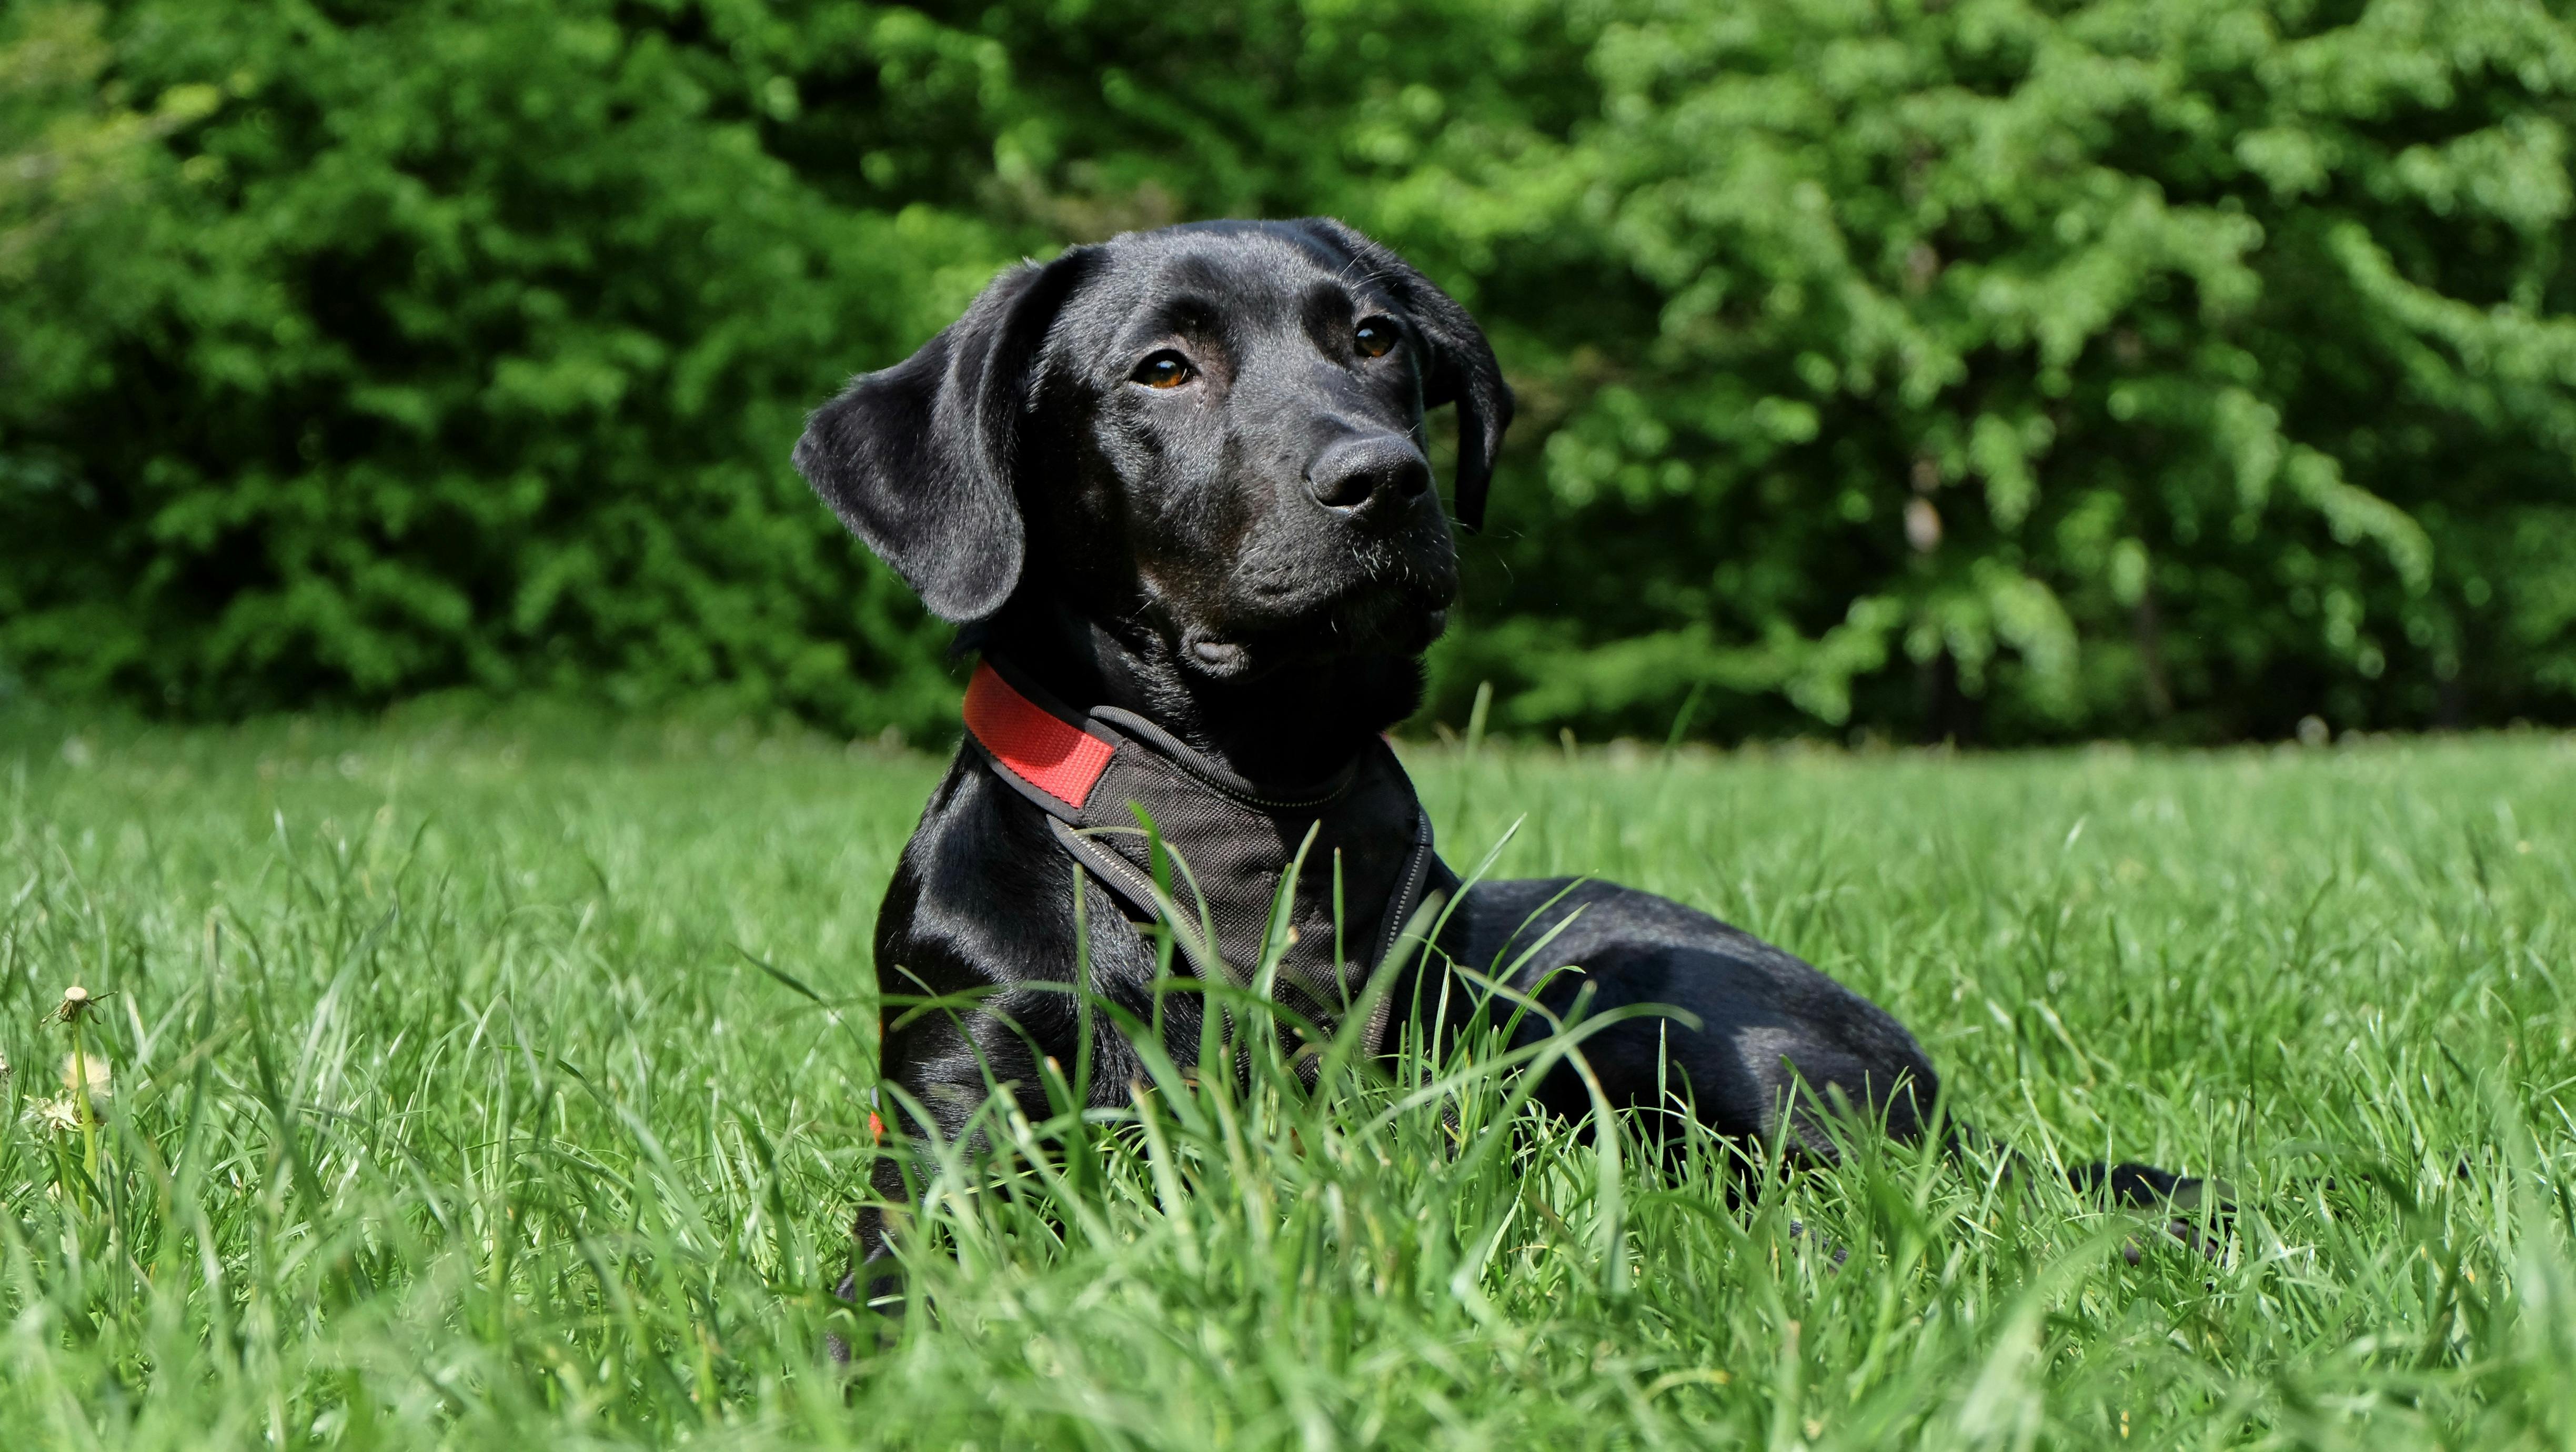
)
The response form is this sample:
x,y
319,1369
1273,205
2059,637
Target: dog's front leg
x,y
964,1031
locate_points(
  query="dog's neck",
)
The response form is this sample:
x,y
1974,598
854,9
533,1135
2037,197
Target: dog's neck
x,y
1298,723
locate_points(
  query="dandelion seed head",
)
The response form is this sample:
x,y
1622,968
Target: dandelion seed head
x,y
88,1070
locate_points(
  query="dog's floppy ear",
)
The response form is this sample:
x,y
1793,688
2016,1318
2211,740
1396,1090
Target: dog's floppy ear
x,y
916,459
1461,368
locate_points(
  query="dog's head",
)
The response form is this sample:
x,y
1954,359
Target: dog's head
x,y
1208,434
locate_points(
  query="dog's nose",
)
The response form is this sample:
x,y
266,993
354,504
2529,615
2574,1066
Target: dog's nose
x,y
1352,473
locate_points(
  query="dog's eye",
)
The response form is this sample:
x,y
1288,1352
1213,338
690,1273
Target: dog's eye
x,y
1375,337
1166,369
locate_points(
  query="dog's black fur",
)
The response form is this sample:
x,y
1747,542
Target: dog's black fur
x,y
1183,472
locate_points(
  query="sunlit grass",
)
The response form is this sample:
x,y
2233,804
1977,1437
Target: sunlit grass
x,y
446,1102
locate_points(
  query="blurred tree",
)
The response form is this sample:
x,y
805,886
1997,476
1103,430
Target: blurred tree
x,y
1987,369
71,150
2031,370
462,346
68,142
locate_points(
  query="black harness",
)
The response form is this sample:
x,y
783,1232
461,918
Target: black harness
x,y
1360,842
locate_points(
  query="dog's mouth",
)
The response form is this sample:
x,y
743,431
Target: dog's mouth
x,y
1303,597
1230,655
1363,618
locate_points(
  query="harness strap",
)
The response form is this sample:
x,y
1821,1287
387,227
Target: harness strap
x,y
1359,899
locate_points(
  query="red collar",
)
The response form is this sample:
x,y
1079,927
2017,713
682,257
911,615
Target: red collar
x,y
1033,743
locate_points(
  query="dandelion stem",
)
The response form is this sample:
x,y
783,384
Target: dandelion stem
x,y
80,1095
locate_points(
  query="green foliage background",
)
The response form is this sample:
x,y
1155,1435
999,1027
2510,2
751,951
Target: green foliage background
x,y
2003,370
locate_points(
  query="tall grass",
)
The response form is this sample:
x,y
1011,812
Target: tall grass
x,y
506,1086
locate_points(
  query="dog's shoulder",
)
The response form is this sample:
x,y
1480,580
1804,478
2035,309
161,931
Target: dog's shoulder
x,y
980,883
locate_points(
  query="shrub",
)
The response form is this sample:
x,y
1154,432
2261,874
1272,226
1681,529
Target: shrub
x,y
461,345
2002,370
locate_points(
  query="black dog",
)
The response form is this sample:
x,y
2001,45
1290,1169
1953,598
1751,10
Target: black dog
x,y
1175,485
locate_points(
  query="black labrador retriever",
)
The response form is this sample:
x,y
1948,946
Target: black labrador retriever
x,y
1175,485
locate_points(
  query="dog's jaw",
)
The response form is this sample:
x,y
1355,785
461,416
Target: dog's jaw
x,y
1362,624
1286,716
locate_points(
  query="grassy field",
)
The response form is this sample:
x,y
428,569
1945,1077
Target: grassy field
x,y
446,1104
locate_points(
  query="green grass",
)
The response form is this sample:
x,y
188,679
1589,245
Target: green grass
x,y
449,1107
